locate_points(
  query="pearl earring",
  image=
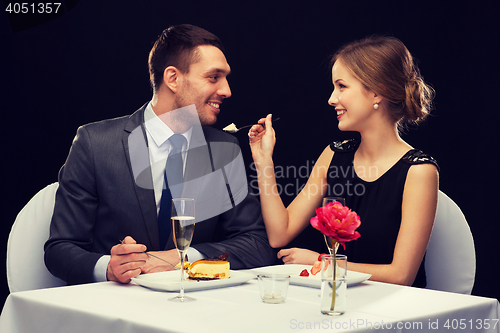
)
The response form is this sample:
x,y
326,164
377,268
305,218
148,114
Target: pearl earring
x,y
375,106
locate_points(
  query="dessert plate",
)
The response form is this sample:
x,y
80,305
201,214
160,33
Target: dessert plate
x,y
170,281
314,281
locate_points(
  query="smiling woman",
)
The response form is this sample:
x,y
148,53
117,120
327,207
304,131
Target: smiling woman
x,y
377,88
350,94
384,66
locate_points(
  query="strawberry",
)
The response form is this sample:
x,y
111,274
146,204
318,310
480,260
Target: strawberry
x,y
304,273
316,268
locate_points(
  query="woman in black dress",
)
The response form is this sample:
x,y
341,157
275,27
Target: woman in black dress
x,y
392,186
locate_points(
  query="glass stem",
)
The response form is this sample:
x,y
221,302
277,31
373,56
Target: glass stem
x,y
334,290
335,247
332,245
182,273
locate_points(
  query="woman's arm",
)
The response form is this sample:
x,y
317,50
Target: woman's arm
x,y
284,224
418,213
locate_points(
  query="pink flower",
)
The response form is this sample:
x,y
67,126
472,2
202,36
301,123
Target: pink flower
x,y
337,222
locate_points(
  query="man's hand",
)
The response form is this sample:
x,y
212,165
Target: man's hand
x,y
298,256
154,265
126,260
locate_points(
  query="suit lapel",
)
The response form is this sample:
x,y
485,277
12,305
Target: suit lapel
x,y
137,152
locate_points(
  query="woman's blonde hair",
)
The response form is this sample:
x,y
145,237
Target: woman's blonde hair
x,y
385,66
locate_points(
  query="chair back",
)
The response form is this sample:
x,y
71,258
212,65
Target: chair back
x,y
450,261
25,254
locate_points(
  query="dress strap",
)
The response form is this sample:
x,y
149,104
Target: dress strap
x,y
416,156
345,146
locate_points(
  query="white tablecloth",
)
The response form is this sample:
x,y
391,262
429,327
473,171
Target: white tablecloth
x,y
372,307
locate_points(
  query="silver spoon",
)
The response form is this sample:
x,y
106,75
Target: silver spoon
x,y
234,129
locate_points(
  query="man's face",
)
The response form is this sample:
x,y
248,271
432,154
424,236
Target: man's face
x,y
206,84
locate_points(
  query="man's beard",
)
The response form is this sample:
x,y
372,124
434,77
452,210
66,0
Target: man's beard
x,y
204,118
180,101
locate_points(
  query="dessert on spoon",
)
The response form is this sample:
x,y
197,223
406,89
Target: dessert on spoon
x,y
231,128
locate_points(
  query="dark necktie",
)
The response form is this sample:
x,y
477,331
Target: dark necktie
x,y
173,186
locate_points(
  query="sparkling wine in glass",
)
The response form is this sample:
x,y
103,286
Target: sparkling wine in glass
x,y
182,216
328,241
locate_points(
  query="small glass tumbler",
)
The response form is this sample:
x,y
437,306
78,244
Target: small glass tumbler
x,y
333,290
273,287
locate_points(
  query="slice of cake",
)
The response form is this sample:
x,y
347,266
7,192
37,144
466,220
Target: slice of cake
x,y
209,269
230,128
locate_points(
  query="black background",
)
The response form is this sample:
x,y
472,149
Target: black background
x,y
89,63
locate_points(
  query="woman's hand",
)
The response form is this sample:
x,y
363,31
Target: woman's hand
x,y
298,256
262,139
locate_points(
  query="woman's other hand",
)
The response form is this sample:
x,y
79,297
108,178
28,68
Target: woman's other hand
x,y
298,256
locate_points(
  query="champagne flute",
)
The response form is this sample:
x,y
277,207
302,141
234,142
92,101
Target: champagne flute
x,y
328,241
182,216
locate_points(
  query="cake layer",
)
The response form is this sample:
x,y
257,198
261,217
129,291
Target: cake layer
x,y
209,269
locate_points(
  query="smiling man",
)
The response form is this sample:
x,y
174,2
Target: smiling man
x,y
116,184
202,83
205,85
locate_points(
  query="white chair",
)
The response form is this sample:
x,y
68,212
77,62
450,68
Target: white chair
x,y
450,262
25,264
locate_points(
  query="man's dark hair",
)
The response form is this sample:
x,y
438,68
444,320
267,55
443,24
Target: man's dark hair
x,y
177,47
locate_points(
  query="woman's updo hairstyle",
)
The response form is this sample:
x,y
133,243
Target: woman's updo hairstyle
x,y
385,66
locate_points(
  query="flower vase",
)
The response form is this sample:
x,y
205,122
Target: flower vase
x,y
333,284
338,225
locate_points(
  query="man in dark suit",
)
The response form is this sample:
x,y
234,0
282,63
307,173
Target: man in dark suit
x,y
113,184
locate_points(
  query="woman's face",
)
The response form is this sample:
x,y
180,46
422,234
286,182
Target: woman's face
x,y
351,99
